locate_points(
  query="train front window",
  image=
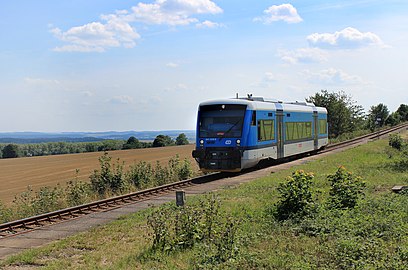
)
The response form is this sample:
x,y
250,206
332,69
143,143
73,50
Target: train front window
x,y
224,120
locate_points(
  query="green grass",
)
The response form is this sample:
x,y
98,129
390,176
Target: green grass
x,y
374,235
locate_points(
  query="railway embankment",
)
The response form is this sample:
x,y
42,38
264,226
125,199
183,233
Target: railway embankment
x,y
247,233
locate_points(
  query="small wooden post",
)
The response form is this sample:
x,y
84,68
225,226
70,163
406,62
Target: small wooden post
x,y
180,198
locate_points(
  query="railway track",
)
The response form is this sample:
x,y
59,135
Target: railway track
x,y
25,225
17,227
368,137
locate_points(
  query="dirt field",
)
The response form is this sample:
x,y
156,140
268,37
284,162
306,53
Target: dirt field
x,y
16,174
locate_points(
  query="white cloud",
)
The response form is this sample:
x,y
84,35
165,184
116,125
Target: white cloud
x,y
190,6
332,76
348,38
179,87
78,48
97,36
121,100
172,65
269,76
41,82
172,12
154,14
116,31
303,55
209,24
284,12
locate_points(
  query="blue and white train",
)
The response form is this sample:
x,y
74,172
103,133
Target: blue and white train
x,y
235,134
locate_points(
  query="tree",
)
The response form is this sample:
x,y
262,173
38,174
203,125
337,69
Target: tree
x,y
394,119
109,145
10,151
91,147
403,112
182,139
132,143
162,140
377,116
344,115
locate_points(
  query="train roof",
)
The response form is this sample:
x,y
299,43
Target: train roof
x,y
259,103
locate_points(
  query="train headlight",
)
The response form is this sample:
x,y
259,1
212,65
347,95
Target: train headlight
x,y
201,142
238,141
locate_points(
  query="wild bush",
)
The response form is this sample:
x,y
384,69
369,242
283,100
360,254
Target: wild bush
x,y
48,199
161,226
78,192
143,174
401,161
173,168
109,178
162,175
185,170
396,141
222,251
179,170
140,174
188,226
295,196
179,228
23,204
211,208
30,203
398,153
118,183
345,190
226,242
5,213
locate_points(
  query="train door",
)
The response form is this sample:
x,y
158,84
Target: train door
x,y
279,121
315,130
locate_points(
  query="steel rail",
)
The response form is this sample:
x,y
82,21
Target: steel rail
x,y
31,223
369,136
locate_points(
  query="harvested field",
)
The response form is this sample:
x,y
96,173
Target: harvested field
x,y
16,174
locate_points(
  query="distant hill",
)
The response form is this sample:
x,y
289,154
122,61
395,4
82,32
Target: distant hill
x,y
42,137
46,140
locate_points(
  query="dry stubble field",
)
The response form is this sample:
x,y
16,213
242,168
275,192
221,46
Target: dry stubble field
x,y
16,174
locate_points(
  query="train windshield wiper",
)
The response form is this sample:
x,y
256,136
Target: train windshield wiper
x,y
226,132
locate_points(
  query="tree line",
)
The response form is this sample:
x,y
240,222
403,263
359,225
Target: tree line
x,y
346,118
57,148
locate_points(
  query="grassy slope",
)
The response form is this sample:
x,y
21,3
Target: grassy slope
x,y
374,235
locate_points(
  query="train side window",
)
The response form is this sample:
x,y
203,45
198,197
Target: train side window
x,y
266,130
298,131
322,126
253,119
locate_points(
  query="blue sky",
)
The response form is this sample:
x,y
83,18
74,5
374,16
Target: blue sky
x,y
99,65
